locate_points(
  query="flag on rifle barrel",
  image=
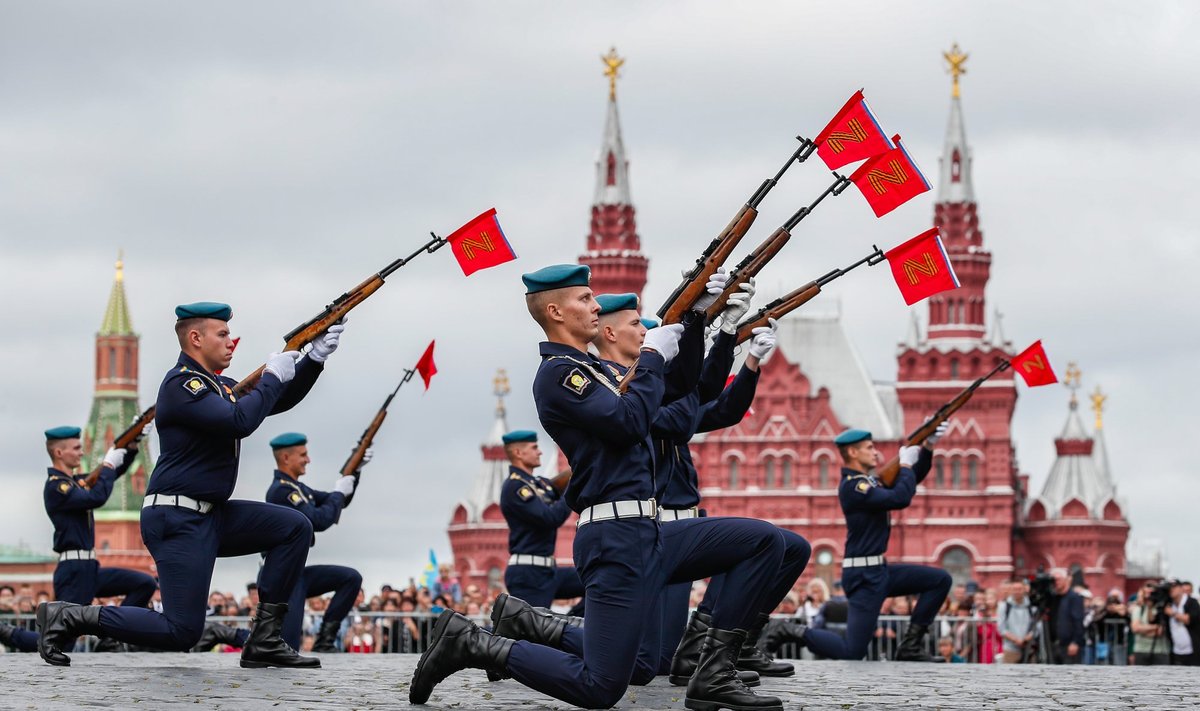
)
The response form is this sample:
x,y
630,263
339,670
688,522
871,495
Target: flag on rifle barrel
x,y
426,367
1034,366
889,179
852,135
481,244
921,267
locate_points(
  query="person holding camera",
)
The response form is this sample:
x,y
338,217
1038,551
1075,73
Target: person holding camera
x,y
1149,642
1183,626
1066,619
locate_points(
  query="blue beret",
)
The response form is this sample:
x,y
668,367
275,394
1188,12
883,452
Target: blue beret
x,y
612,303
651,322
556,276
64,432
288,439
519,436
851,437
204,309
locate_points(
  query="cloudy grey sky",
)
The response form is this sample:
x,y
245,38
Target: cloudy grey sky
x,y
272,154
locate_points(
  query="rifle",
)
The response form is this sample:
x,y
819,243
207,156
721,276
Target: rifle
x,y
308,331
888,472
790,302
353,465
753,263
560,481
692,286
123,441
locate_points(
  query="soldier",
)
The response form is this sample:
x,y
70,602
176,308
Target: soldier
x,y
188,519
322,509
620,549
534,511
866,576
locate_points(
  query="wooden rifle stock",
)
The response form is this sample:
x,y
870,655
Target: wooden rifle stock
x,y
777,309
125,440
693,285
890,469
560,481
749,267
354,463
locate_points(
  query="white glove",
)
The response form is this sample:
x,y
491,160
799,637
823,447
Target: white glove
x,y
114,458
737,307
937,434
665,340
345,485
367,455
763,343
282,365
324,346
713,289
909,456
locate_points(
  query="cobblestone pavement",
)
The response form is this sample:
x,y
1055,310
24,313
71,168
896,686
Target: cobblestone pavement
x,y
215,681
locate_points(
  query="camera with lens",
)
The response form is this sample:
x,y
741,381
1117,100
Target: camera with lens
x,y
1160,594
1041,586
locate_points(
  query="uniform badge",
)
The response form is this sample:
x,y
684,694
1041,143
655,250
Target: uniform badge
x,y
229,393
576,381
194,386
64,488
525,493
862,487
295,498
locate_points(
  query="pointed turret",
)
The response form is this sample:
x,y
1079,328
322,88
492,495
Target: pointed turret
x,y
613,245
486,489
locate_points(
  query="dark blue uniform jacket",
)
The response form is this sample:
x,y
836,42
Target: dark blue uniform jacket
x,y
322,508
867,505
534,511
70,505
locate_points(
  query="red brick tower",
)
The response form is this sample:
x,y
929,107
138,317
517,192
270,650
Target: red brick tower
x,y
614,250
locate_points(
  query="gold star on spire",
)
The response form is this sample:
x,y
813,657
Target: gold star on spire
x,y
611,64
500,388
1098,399
120,265
956,57
1071,381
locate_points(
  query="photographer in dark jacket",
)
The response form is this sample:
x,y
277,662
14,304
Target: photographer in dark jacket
x,y
1066,620
1183,627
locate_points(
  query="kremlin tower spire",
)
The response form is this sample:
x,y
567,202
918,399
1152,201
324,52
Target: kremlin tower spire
x,y
613,246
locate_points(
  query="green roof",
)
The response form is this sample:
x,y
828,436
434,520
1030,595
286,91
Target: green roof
x,y
116,316
22,554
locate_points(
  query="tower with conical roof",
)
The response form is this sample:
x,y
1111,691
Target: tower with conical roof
x,y
114,406
614,249
1077,522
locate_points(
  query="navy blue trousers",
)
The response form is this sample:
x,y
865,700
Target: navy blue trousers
x,y
185,546
25,640
676,598
866,589
316,580
625,565
81,581
540,586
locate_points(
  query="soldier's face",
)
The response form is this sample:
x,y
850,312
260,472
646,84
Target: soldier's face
x,y
528,455
864,454
628,333
294,460
213,343
578,311
69,452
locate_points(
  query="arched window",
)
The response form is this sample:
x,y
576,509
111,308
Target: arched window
x,y
955,473
939,473
973,473
957,562
787,473
823,565
823,473
733,473
112,362
954,368
769,473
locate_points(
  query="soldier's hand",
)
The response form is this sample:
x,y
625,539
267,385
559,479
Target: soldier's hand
x,y
763,343
345,485
937,434
324,346
282,365
368,455
665,340
909,456
737,307
714,287
114,458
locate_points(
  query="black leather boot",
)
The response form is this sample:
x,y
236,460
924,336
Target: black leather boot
x,y
687,654
265,648
6,634
912,647
327,637
108,644
572,620
513,618
60,624
715,685
215,634
456,643
752,658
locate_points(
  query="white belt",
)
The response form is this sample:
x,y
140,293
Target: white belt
x,y
618,509
77,555
863,561
678,514
543,561
183,502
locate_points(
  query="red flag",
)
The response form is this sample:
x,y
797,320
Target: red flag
x,y
235,342
1034,366
480,244
852,135
890,179
426,367
921,267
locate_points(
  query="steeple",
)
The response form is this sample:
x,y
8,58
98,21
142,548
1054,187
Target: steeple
x,y
486,489
116,315
960,313
613,245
